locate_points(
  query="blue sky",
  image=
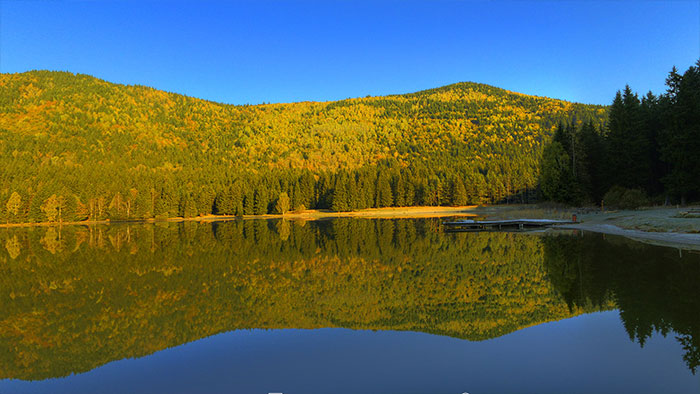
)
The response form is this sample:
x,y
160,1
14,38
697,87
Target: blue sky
x,y
280,51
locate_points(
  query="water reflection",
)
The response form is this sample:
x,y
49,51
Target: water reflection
x,y
75,298
657,289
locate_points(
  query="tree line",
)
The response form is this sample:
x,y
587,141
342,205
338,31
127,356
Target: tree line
x,y
646,153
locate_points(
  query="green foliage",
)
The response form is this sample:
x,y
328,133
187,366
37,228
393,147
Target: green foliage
x,y
620,197
52,208
649,147
261,201
628,144
459,192
130,152
680,136
385,197
14,204
555,173
282,205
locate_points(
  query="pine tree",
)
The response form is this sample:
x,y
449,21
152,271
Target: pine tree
x,y
459,192
409,194
384,196
249,201
593,156
398,190
340,195
555,173
261,200
189,208
681,137
297,199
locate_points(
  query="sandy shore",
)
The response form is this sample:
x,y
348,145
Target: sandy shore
x,y
311,214
671,239
659,226
377,213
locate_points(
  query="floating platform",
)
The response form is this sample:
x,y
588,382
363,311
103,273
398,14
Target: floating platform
x,y
501,225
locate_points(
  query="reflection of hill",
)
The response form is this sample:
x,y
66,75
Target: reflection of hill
x,y
655,288
74,299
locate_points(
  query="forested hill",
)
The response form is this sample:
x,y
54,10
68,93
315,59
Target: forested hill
x,y
73,147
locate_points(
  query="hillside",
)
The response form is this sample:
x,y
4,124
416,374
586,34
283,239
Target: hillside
x,y
73,147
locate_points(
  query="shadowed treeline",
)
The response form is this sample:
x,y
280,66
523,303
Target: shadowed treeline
x,y
647,152
75,298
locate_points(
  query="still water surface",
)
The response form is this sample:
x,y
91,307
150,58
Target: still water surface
x,y
343,306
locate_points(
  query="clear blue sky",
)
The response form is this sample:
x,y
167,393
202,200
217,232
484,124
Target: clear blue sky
x,y
279,51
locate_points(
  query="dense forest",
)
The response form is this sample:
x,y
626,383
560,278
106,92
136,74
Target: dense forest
x,y
648,152
75,297
73,147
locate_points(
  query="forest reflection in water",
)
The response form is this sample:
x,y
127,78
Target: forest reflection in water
x,y
75,298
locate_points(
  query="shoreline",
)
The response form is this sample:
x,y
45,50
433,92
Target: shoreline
x,y
311,214
687,241
659,226
662,226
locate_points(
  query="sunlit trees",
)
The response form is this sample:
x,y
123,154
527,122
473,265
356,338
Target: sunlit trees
x,y
282,205
14,204
52,208
384,196
261,200
130,152
458,192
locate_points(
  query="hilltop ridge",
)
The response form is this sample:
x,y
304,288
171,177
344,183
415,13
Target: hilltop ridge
x,y
105,150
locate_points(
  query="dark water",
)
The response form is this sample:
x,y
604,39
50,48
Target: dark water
x,y
343,306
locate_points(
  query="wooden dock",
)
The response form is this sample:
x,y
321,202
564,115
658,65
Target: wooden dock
x,y
501,225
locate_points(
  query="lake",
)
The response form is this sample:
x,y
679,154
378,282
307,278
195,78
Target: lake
x,y
343,306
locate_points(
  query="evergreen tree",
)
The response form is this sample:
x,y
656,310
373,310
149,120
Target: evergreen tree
x,y
249,201
341,193
398,190
459,192
261,200
297,199
628,144
593,162
555,174
384,196
681,140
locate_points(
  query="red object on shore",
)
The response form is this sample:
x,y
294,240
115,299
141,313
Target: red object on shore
x,y
573,218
